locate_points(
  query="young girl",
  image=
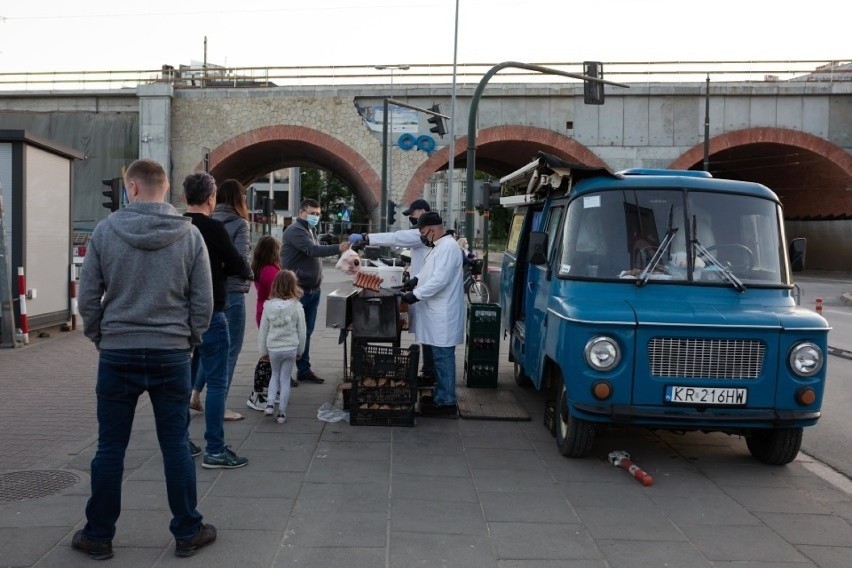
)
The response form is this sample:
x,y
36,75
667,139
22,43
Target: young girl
x,y
264,265
282,337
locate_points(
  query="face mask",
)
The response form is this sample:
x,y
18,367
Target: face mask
x,y
425,240
413,221
313,220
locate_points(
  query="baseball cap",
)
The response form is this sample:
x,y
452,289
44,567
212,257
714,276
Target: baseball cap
x,y
429,219
415,205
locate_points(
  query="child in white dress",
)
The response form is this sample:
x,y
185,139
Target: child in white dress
x,y
281,338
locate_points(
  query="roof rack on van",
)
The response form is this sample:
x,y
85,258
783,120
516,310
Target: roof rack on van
x,y
543,176
662,172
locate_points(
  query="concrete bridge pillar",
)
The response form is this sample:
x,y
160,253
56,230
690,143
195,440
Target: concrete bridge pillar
x,y
155,123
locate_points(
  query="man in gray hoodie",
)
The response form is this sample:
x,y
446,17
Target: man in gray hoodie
x,y
145,297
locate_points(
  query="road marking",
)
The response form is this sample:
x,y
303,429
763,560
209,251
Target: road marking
x,y
826,472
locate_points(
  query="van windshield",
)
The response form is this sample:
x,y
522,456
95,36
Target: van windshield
x,y
616,234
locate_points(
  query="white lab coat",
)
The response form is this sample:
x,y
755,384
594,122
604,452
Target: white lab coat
x,y
410,239
440,311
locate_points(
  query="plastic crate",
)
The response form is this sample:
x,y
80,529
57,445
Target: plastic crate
x,y
375,417
483,318
479,374
389,363
362,394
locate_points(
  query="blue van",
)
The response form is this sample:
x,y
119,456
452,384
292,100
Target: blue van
x,y
661,299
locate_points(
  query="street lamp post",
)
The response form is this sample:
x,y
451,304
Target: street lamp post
x,y
471,137
387,167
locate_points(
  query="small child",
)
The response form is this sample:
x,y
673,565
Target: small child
x,y
264,265
282,338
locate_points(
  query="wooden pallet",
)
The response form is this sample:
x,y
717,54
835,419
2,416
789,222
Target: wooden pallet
x,y
490,404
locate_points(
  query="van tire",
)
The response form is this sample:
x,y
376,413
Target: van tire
x,y
777,446
575,437
521,378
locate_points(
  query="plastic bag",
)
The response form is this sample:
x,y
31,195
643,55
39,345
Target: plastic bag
x,y
349,262
327,413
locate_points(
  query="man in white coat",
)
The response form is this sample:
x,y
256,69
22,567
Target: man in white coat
x,y
410,239
440,316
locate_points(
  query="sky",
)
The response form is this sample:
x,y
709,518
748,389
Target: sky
x,y
51,35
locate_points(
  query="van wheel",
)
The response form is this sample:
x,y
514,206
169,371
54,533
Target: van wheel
x,y
521,379
574,436
778,446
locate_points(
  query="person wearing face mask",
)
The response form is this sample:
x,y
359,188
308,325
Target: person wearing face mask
x,y
440,313
410,239
302,253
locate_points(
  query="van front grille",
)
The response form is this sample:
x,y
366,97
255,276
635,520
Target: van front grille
x,y
706,358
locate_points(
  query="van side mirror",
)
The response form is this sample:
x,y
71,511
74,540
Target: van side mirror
x,y
796,251
537,248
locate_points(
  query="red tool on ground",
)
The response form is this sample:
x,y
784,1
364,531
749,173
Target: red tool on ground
x,y
622,459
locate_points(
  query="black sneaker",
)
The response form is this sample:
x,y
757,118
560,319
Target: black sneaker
x,y
95,550
194,449
310,377
429,408
293,383
206,535
226,460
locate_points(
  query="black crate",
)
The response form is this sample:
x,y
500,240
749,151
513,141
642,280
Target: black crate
x,y
362,394
483,344
550,416
363,417
483,318
390,363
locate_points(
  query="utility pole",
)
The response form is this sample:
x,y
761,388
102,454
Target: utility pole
x,y
707,126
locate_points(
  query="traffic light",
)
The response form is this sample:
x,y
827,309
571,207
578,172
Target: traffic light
x,y
593,93
491,195
439,128
113,193
391,213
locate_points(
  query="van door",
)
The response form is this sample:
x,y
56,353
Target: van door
x,y
512,271
538,292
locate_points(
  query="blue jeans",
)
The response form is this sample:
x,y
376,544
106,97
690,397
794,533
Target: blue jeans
x,y
124,374
445,374
310,303
210,362
235,313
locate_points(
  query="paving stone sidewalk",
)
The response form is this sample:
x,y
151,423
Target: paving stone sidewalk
x,y
450,493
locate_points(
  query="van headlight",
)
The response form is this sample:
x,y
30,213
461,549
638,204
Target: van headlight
x,y
602,353
806,359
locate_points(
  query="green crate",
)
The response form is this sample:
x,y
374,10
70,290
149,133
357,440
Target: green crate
x,y
478,374
483,318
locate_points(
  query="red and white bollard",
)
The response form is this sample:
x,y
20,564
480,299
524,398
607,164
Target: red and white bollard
x,y
622,459
73,292
22,295
819,306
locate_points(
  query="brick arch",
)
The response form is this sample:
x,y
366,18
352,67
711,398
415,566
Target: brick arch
x,y
530,138
273,147
763,135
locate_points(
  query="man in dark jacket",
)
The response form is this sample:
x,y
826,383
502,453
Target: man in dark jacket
x,y
301,253
146,299
211,357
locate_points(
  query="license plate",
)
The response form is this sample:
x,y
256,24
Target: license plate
x,y
706,395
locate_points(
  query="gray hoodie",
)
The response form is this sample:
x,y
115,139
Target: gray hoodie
x,y
282,326
146,280
238,230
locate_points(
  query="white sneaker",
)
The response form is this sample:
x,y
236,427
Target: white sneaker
x,y
281,419
256,401
269,411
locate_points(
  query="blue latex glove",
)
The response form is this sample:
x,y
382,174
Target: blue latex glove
x,y
355,238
